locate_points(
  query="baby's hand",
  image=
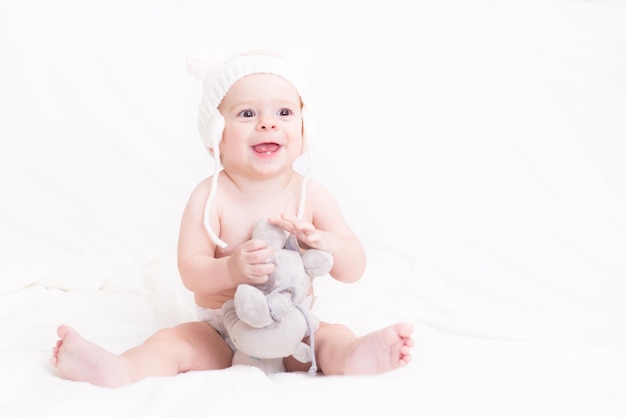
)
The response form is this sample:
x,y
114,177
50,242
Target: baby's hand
x,y
251,262
305,232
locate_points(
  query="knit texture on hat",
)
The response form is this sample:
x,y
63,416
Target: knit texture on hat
x,y
222,77
211,122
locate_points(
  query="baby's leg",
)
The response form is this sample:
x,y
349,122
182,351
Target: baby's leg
x,y
341,352
190,346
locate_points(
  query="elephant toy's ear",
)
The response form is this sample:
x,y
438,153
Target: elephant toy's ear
x,y
317,262
292,243
302,353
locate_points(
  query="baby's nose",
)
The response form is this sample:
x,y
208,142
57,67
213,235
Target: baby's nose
x,y
267,123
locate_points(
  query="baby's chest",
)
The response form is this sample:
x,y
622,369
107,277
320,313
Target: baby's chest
x,y
236,221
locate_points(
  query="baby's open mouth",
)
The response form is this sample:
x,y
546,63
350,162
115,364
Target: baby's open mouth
x,y
266,148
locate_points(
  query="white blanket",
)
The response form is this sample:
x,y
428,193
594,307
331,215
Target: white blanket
x,y
478,148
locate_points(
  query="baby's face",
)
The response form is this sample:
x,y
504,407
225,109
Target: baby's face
x,y
263,130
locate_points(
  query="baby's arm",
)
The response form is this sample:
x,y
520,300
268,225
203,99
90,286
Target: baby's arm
x,y
328,231
201,271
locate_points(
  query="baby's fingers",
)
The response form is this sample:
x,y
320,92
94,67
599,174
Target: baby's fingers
x,y
256,251
259,273
282,223
311,237
292,224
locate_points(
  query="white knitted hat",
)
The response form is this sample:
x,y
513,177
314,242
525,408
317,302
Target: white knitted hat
x,y
217,82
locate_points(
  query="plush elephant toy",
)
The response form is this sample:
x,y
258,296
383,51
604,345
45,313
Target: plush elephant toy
x,y
267,322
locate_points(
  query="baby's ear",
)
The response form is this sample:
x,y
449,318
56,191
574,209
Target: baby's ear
x,y
210,149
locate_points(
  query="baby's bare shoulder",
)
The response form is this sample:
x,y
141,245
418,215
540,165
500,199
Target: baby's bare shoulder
x,y
318,193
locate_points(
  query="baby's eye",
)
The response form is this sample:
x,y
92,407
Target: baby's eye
x,y
284,112
246,113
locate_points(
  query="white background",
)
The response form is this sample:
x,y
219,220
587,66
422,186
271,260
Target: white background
x,y
477,147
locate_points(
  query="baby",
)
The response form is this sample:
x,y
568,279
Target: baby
x,y
253,119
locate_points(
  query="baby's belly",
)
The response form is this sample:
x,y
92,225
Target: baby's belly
x,y
214,301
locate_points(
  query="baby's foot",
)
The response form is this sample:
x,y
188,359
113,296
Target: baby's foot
x,y
381,351
78,359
